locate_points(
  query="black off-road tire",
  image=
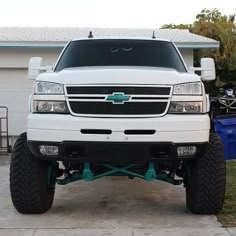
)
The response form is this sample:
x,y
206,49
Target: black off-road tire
x,y
30,192
205,188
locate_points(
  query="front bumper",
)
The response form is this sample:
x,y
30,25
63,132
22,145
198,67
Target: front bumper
x,y
101,139
118,152
169,128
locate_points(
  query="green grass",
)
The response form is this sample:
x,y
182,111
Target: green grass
x,y
227,216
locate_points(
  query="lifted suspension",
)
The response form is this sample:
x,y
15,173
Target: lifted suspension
x,y
88,175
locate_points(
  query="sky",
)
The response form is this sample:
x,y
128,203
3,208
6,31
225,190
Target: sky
x,y
106,13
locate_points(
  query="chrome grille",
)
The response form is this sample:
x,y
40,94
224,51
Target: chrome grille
x,y
124,89
93,100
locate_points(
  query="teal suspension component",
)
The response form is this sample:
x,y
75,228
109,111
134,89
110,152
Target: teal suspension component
x,y
163,176
122,170
150,174
69,179
88,175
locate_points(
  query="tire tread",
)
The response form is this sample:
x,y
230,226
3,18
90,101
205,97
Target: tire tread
x,y
205,195
28,180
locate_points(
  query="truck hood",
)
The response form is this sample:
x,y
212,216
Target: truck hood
x,y
118,75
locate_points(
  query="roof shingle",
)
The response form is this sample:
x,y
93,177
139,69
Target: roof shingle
x,y
58,36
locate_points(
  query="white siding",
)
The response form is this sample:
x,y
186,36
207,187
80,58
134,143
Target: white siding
x,y
187,54
19,57
15,88
14,93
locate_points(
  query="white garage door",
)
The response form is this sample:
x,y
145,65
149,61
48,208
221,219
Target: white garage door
x,y
14,92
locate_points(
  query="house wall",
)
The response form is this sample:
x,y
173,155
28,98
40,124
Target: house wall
x,y
187,55
15,88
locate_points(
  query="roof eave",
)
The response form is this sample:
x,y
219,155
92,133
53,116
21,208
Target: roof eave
x,y
60,44
195,45
35,44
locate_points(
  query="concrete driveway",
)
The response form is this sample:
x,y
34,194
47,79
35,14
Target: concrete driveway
x,y
113,206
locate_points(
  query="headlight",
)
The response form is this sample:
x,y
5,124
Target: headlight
x,y
50,107
48,88
188,89
185,107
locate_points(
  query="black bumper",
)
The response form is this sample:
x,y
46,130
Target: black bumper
x,y
114,151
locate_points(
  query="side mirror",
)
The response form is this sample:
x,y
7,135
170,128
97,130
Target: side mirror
x,y
208,69
35,68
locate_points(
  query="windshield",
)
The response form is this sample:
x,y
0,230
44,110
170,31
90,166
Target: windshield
x,y
120,52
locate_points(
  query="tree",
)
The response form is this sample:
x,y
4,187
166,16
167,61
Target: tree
x,y
173,26
214,25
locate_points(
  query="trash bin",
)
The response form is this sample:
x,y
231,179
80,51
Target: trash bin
x,y
226,128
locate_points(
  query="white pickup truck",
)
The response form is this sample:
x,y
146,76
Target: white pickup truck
x,y
118,107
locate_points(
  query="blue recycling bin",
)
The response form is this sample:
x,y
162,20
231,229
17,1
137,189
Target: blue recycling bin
x,y
226,128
